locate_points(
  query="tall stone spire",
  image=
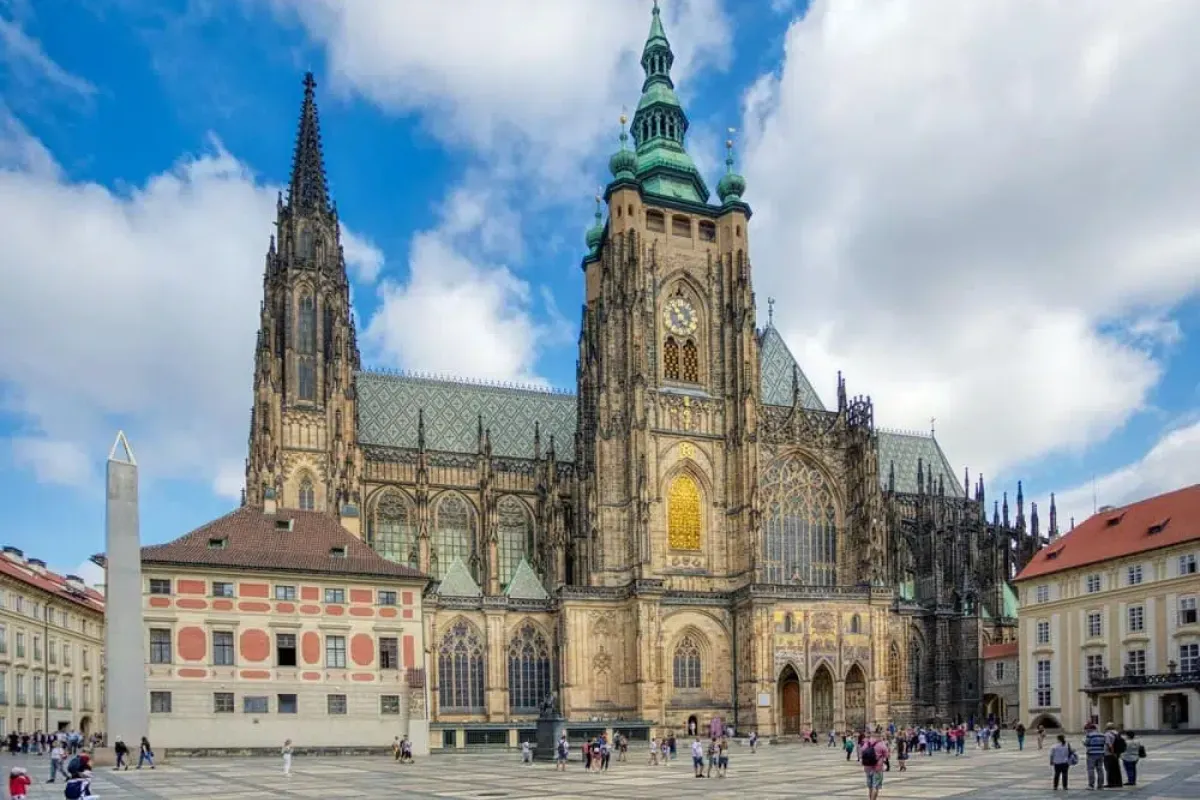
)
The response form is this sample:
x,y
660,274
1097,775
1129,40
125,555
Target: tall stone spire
x,y
307,190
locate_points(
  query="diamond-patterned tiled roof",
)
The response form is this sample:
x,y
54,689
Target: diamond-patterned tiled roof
x,y
388,406
904,450
525,584
458,582
779,371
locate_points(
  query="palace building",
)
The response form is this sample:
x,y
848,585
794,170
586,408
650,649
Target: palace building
x,y
692,533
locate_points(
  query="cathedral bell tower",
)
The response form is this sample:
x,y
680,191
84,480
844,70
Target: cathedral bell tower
x,y
668,360
302,451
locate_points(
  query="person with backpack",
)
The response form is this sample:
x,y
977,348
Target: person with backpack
x,y
79,787
121,750
1114,747
1062,757
874,754
1134,752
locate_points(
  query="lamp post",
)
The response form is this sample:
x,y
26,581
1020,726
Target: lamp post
x,y
46,670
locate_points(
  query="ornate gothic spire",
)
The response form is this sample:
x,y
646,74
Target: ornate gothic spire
x,y
307,190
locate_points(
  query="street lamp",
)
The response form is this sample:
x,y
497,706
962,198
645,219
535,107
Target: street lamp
x,y
46,670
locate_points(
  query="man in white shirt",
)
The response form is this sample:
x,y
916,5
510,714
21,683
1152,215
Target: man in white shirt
x,y
698,757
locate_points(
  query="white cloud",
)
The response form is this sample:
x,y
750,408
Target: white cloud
x,y
29,65
135,309
982,212
1169,465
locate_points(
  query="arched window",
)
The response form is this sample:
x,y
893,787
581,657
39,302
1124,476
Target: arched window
x,y
799,526
306,336
307,494
687,664
454,532
671,359
893,672
461,669
306,243
683,513
529,677
515,537
914,667
392,532
789,623
689,363
856,624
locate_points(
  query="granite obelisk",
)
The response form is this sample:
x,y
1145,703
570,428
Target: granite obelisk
x,y
127,713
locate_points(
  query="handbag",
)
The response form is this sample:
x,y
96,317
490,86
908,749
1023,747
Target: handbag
x,y
1072,759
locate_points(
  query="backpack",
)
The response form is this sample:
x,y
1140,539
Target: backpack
x,y
1141,751
1119,745
74,789
869,757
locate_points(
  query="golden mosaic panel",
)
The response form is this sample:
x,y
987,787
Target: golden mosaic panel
x,y
683,514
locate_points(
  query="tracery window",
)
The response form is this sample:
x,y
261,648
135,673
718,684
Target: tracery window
x,y
529,673
687,664
671,359
515,537
689,362
683,513
461,668
893,671
454,528
306,335
392,532
914,668
306,243
307,494
800,525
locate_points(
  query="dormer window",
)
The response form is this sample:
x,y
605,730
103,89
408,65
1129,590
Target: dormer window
x,y
1158,526
216,543
283,524
337,552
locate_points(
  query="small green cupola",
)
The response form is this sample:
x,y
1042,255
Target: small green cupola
x,y
660,125
595,234
732,186
623,164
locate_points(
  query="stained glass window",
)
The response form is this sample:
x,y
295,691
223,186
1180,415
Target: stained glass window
x,y
687,664
454,526
392,533
306,333
515,537
689,363
307,494
529,674
683,513
461,668
800,525
671,359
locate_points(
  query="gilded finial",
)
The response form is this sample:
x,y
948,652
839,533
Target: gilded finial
x,y
624,122
729,150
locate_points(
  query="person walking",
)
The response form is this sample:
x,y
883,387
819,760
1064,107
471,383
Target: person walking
x,y
1041,732
1061,756
145,754
121,750
1020,736
1094,746
57,756
874,754
697,757
1134,752
287,757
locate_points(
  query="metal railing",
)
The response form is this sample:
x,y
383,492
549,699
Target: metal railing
x,y
1100,681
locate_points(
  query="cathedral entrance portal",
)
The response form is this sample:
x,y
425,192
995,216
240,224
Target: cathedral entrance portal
x,y
693,726
789,701
856,699
822,699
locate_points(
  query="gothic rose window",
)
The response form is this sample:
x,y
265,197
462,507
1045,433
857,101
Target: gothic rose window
x,y
307,494
671,359
306,334
687,664
799,525
529,676
454,530
461,669
683,513
515,537
391,532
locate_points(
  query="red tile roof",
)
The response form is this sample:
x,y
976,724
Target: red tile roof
x,y
252,539
1004,650
53,583
1168,519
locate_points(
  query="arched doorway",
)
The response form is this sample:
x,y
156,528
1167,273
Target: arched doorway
x,y
993,708
789,701
822,699
85,725
856,699
693,725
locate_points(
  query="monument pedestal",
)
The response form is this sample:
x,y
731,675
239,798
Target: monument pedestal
x,y
549,730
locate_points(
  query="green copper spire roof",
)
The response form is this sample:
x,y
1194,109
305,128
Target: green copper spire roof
x,y
732,186
595,234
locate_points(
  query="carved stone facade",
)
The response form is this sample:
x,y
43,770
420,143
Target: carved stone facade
x,y
691,535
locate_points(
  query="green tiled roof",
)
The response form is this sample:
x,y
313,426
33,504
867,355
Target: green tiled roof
x,y
1011,605
525,584
458,582
905,450
779,372
388,405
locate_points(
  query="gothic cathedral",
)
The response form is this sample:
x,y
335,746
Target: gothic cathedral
x,y
691,535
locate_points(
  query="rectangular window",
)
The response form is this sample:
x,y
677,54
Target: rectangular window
x,y
336,703
160,586
335,595
335,651
389,652
3,639
37,647
1043,593
285,592
655,221
681,226
1187,564
708,232
222,589
1043,632
223,702
1187,612
87,659
1095,664
223,648
285,649
66,654
255,705
387,598
1135,663
1189,658
389,704
285,703
160,645
1093,583
999,670
52,651
1137,619
160,702
20,645
1044,692
1095,624
1134,575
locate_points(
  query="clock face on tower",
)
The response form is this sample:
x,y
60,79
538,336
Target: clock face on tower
x,y
680,317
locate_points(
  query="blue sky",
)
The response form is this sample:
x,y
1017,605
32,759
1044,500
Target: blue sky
x,y
980,216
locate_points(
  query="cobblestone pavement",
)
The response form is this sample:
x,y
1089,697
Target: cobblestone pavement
x,y
1172,772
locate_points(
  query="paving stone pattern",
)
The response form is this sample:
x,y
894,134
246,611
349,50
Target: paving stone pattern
x,y
1172,772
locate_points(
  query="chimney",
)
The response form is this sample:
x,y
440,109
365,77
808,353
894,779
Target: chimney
x,y
37,565
269,506
14,554
75,584
351,520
